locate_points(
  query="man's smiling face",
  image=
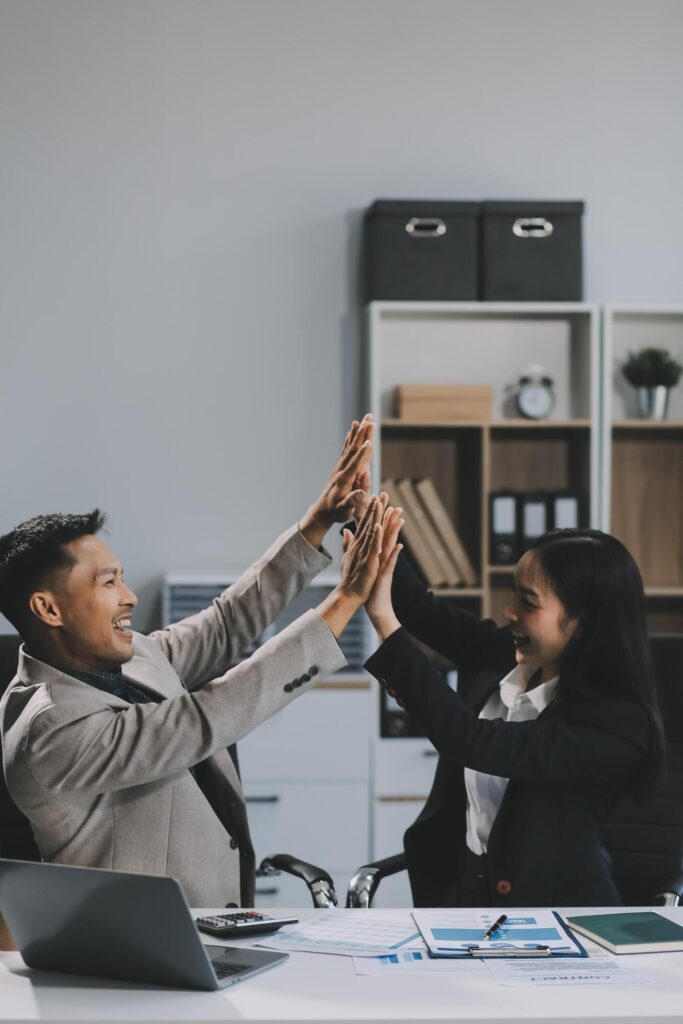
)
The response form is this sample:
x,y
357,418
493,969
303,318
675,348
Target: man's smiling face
x,y
95,607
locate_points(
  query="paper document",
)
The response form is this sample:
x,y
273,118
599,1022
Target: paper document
x,y
599,968
416,961
347,933
453,933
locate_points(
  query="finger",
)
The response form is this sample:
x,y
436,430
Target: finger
x,y
347,537
354,458
387,570
391,533
368,534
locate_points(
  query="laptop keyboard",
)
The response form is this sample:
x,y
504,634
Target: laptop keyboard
x,y
224,970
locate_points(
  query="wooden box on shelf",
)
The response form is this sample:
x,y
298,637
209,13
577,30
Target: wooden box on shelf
x,y
446,403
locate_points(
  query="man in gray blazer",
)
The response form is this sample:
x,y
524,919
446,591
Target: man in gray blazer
x,y
114,743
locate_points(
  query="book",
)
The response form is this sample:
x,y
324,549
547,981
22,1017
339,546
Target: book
x,y
416,507
419,548
637,932
446,530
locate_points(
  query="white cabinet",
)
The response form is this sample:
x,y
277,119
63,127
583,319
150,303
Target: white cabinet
x,y
306,779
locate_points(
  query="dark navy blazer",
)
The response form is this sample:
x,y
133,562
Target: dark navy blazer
x,y
567,769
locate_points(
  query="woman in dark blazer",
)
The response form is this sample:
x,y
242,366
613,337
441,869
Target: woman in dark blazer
x,y
573,726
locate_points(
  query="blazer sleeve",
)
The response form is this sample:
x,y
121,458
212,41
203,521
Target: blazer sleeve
x,y
600,741
85,745
464,639
202,646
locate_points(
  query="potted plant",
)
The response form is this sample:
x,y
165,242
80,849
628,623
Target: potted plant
x,y
653,371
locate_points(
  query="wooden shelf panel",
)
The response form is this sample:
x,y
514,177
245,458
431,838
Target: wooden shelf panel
x,y
647,425
396,424
500,570
673,592
457,591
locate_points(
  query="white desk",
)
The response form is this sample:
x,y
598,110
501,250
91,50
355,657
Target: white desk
x,y
326,989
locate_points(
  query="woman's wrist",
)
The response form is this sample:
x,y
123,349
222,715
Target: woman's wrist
x,y
385,625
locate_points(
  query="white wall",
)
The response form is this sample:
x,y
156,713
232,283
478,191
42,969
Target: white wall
x,y
182,184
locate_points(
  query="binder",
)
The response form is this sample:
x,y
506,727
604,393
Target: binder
x,y
564,512
445,528
503,529
426,561
532,518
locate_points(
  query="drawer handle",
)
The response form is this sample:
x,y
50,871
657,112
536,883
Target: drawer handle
x,y
532,227
262,799
267,892
430,753
426,227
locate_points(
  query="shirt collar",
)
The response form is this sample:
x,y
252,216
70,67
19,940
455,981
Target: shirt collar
x,y
107,681
513,689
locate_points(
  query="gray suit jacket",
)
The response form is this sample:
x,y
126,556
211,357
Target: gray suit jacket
x,y
106,783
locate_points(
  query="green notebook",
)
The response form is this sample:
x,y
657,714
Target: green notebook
x,y
643,932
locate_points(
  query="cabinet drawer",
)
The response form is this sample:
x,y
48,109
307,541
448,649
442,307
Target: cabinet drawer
x,y
392,818
404,767
325,734
326,824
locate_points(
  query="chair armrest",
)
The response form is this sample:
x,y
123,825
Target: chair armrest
x,y
672,894
320,885
363,885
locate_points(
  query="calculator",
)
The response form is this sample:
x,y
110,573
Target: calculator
x,y
243,923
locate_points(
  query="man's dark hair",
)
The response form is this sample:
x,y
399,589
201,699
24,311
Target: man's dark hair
x,y
33,552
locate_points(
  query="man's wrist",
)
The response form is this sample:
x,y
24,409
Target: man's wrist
x,y
338,608
314,526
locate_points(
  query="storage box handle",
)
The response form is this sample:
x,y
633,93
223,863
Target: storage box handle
x,y
426,227
532,227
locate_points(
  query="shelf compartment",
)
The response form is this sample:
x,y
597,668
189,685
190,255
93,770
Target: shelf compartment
x,y
453,461
528,460
647,494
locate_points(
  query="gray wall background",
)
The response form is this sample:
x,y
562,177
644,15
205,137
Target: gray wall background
x,y
182,187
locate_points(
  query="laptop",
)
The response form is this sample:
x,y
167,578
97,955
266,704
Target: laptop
x,y
115,924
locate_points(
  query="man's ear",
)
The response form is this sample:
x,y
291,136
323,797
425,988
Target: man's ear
x,y
43,605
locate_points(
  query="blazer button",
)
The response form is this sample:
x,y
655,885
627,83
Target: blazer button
x,y
288,687
306,678
313,670
233,844
503,888
381,680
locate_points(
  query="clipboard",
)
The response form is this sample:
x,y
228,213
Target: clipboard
x,y
526,934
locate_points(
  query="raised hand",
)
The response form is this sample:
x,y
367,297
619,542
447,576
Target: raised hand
x,y
358,573
345,493
379,606
361,560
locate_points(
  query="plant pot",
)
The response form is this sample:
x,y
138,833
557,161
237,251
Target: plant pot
x,y
653,403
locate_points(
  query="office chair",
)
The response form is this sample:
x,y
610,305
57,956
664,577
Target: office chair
x,y
645,841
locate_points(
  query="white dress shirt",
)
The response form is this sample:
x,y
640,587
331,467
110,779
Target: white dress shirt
x,y
485,793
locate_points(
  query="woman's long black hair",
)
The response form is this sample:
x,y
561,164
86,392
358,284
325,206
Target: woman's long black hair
x,y
599,583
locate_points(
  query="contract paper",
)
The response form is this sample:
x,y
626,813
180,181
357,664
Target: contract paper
x,y
346,933
452,933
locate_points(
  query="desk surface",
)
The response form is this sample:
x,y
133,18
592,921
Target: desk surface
x,y
312,987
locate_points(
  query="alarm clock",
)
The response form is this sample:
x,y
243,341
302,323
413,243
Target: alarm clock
x,y
535,394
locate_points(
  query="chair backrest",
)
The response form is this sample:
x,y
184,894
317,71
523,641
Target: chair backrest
x,y
645,840
16,837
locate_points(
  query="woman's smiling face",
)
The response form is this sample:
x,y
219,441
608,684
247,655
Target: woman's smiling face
x,y
541,628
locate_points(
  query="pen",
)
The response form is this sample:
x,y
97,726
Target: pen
x,y
494,927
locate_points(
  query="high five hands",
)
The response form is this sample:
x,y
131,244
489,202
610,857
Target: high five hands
x,y
370,555
366,571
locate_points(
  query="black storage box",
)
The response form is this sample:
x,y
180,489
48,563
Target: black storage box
x,y
531,251
422,249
